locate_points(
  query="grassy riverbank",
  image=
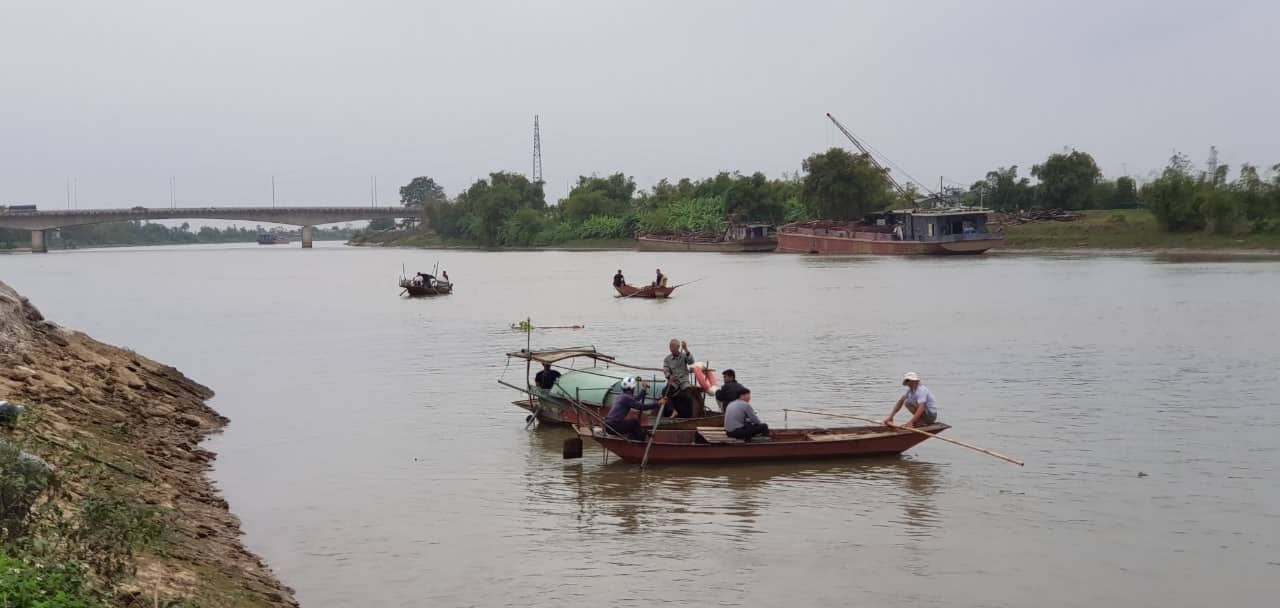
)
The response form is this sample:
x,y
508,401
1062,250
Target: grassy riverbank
x,y
1126,230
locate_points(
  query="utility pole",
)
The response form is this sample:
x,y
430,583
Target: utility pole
x,y
537,151
273,192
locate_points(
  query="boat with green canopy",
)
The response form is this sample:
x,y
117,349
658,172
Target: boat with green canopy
x,y
588,384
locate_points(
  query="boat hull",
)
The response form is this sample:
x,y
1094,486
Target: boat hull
x,y
764,245
648,291
821,244
678,447
422,291
551,412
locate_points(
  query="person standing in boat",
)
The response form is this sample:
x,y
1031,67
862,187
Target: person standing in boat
x,y
731,389
618,279
546,379
617,421
740,420
676,369
445,274
918,400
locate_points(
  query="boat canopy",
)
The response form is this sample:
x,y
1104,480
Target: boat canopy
x,y
560,354
599,385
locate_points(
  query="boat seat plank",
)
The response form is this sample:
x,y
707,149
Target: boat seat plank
x,y
716,434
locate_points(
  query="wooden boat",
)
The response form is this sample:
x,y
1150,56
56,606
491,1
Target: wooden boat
x,y
927,231
737,238
273,238
710,444
584,395
648,291
417,289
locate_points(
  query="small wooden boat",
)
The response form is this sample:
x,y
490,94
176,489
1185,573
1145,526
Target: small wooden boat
x,y
584,395
710,444
648,291
418,289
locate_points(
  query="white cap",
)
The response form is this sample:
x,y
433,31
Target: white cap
x,y
910,376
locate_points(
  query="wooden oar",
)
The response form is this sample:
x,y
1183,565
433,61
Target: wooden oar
x,y
914,430
654,433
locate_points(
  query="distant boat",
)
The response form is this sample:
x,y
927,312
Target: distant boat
x,y
920,231
420,286
648,291
737,238
273,238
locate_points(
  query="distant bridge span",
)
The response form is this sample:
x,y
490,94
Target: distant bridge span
x,y
306,217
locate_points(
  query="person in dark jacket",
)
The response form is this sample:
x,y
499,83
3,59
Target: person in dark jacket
x,y
730,391
617,422
546,379
618,279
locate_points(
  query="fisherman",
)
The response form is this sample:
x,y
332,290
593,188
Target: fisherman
x,y
618,279
731,389
740,420
546,379
660,280
919,401
676,369
445,274
425,279
617,422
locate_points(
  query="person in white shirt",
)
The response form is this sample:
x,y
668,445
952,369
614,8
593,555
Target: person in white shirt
x,y
919,401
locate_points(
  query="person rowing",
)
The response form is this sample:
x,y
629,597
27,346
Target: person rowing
x,y
679,393
617,421
918,400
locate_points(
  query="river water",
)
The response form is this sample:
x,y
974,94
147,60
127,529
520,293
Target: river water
x,y
375,461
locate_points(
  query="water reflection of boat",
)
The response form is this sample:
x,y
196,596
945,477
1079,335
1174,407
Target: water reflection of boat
x,y
709,444
593,389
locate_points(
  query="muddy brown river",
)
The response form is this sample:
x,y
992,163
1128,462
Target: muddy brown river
x,y
375,460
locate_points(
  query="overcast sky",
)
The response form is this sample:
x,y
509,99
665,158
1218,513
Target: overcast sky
x,y
222,95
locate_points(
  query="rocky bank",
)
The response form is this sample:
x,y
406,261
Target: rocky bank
x,y
96,410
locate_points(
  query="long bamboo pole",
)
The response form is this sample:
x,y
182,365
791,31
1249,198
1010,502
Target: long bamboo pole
x,y
654,433
914,430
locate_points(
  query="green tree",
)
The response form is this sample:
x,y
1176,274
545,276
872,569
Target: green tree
x,y
595,195
488,203
1174,198
1126,192
841,186
421,191
1004,190
1066,180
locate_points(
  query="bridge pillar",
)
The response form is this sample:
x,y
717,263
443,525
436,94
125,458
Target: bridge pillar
x,y
306,237
37,242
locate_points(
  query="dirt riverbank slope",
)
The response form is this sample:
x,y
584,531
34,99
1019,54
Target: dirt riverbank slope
x,y
103,415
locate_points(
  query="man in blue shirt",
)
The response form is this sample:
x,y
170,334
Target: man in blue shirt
x,y
919,401
617,422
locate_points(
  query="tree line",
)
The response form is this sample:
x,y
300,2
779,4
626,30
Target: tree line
x,y
507,209
150,233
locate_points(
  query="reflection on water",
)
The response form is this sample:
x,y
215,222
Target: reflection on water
x,y
375,462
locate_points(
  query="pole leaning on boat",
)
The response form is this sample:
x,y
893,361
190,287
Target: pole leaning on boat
x,y
914,430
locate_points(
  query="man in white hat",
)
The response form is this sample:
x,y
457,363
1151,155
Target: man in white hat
x,y
919,401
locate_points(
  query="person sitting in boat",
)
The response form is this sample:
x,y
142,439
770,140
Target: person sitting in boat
x,y
660,280
445,275
731,389
680,394
618,279
918,400
546,379
617,421
425,279
740,420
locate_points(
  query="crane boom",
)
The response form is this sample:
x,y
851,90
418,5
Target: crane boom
x,y
868,154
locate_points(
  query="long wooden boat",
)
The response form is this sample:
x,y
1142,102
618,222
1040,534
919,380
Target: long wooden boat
x,y
418,290
584,395
648,291
737,238
710,444
927,231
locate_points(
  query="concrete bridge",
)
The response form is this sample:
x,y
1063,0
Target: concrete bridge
x,y
307,217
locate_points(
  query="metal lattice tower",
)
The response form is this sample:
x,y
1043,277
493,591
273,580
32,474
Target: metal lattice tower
x,y
537,151
1212,165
